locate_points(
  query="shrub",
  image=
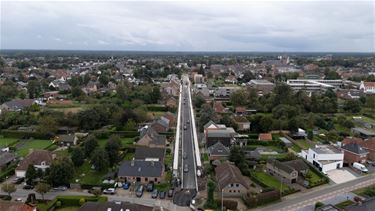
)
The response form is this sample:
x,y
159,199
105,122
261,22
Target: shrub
x,y
318,204
228,204
81,201
58,204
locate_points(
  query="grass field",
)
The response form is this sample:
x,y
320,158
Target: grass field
x,y
86,175
4,142
127,141
270,181
313,178
26,145
296,148
303,144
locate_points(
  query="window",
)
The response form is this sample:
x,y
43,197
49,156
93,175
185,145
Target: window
x,y
237,185
156,179
313,155
230,191
146,179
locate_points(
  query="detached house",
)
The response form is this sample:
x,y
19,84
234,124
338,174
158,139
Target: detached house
x,y
230,180
40,159
324,157
141,171
368,145
218,152
288,171
354,153
161,125
150,138
242,123
66,140
218,133
367,87
16,105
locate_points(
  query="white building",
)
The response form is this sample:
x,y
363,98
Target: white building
x,y
367,87
324,157
314,85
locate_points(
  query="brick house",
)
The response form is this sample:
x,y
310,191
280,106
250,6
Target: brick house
x,y
230,180
141,171
368,145
354,153
40,159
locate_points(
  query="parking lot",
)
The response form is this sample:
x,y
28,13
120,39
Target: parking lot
x,y
339,176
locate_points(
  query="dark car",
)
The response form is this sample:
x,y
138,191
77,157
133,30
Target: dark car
x,y
170,193
18,180
162,194
126,185
139,191
154,194
150,187
28,187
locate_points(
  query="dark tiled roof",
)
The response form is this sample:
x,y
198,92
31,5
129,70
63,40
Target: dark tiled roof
x,y
279,165
227,173
6,157
140,168
298,165
19,104
65,138
113,206
141,153
355,148
218,149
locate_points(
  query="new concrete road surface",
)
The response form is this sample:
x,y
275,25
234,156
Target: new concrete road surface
x,y
300,200
189,179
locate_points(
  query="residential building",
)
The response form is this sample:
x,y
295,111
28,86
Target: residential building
x,y
364,205
367,87
242,123
324,157
281,171
230,180
171,102
149,154
225,92
218,107
16,105
363,133
171,117
6,158
113,206
368,144
40,159
150,138
141,171
310,85
66,140
198,78
328,207
218,152
160,125
218,133
201,89
354,153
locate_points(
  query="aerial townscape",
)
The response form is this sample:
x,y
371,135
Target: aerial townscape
x,y
155,130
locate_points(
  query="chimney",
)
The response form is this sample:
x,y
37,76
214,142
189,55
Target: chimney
x,y
132,163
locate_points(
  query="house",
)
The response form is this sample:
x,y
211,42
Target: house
x,y
262,86
231,79
324,157
354,153
113,206
150,138
16,105
328,207
281,171
365,205
90,88
171,88
218,152
149,154
6,158
230,180
242,123
66,140
160,125
218,107
367,87
40,159
218,132
171,117
201,89
225,92
15,206
368,145
171,102
141,171
198,78
300,134
265,137
241,110
363,133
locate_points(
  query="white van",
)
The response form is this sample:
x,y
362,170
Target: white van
x,y
360,167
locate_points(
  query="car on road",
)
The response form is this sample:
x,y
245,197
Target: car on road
x,y
18,180
185,127
28,187
186,169
188,122
109,191
170,193
150,187
155,194
162,194
184,155
139,191
126,185
60,188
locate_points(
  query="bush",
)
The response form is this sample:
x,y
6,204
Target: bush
x,y
318,204
58,204
9,171
23,134
81,201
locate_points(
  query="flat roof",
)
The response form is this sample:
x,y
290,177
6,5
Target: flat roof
x,y
326,149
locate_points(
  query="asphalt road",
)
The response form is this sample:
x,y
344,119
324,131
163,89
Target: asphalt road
x,y
300,200
188,178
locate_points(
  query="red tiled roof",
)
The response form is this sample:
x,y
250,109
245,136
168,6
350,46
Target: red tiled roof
x,y
265,137
369,84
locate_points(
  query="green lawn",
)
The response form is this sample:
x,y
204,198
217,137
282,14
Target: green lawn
x,y
86,175
129,156
303,144
366,191
127,141
270,181
296,148
313,178
32,144
4,142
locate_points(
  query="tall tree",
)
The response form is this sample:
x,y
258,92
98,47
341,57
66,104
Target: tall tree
x,y
99,159
61,171
34,88
78,156
112,148
8,188
31,174
90,144
47,125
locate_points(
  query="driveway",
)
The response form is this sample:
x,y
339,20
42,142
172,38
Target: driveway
x,y
339,176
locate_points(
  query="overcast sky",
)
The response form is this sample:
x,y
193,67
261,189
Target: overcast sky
x,y
189,26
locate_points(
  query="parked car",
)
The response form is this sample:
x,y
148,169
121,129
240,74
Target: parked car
x,y
18,180
150,187
94,189
60,188
126,185
139,191
170,193
154,194
109,191
360,167
28,187
162,194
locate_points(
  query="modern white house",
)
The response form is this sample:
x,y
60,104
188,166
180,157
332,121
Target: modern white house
x,y
367,87
324,157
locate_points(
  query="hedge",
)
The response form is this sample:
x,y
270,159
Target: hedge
x,y
228,204
23,134
69,201
107,133
156,108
